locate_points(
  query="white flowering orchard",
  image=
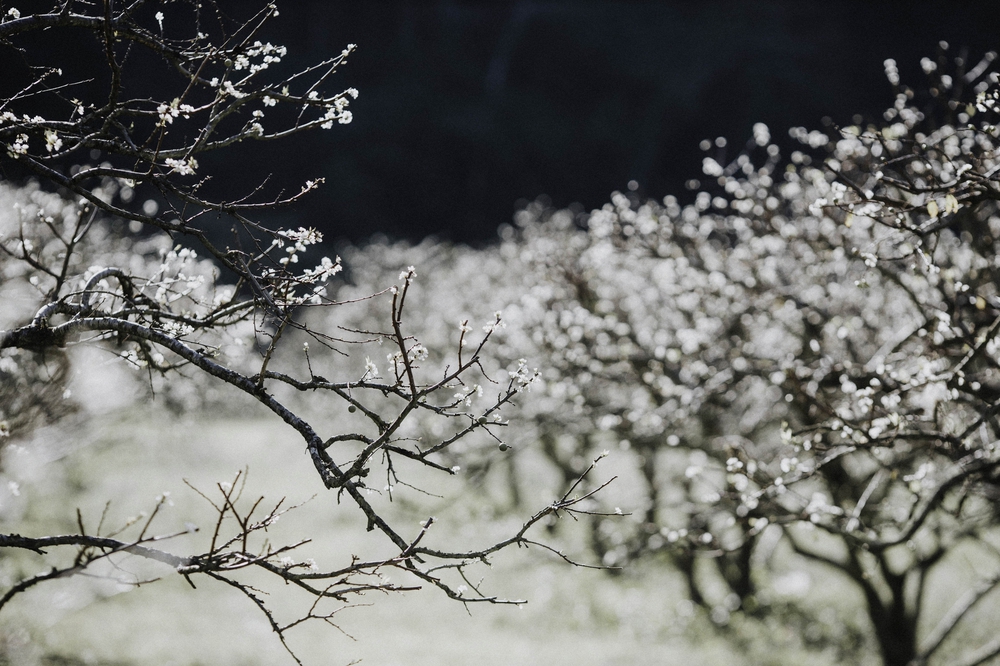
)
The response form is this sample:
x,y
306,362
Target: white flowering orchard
x,y
805,358
808,352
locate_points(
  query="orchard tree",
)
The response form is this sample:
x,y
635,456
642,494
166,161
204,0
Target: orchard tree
x,y
192,288
806,357
810,349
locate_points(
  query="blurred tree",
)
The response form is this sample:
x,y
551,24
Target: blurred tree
x,y
807,357
89,265
810,349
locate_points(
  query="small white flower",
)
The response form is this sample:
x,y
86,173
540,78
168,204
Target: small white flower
x,y
19,147
183,167
52,141
951,204
229,89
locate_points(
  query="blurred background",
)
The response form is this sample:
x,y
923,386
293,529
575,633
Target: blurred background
x,y
469,109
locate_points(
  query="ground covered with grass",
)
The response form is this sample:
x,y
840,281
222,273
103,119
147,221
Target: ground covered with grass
x,y
572,616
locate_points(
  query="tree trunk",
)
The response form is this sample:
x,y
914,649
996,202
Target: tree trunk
x,y
895,628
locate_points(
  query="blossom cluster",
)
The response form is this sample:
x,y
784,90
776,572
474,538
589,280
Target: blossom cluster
x,y
810,344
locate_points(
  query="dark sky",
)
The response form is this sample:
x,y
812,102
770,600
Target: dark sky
x,y
467,108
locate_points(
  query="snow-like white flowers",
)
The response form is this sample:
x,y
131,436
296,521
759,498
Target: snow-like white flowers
x,y
932,209
264,54
326,269
176,329
52,141
167,112
816,207
19,147
761,134
183,167
951,204
891,71
14,13
159,19
341,116
521,376
301,237
497,323
227,88
337,109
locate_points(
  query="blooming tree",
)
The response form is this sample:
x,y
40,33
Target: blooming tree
x,y
805,357
809,350
89,266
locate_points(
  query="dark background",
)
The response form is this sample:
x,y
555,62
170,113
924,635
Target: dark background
x,y
468,109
